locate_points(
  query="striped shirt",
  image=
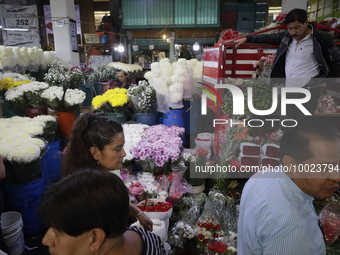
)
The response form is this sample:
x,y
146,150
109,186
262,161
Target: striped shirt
x,y
152,244
277,218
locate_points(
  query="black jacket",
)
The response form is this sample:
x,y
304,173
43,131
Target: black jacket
x,y
326,53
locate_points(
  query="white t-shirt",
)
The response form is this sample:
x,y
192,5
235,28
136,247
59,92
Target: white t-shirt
x,y
301,64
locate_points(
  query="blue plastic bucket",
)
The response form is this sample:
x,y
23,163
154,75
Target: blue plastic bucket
x,y
51,161
192,109
97,88
104,39
88,89
175,118
147,119
25,198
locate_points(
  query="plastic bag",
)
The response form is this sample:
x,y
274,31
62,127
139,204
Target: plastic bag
x,y
179,185
162,191
330,219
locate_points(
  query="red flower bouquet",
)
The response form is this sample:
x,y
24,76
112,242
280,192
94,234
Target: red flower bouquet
x,y
330,219
249,160
149,206
217,247
270,162
250,149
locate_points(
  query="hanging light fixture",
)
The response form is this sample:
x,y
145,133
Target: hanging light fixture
x,y
151,46
196,46
164,36
135,46
120,47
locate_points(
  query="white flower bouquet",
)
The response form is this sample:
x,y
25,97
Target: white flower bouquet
x,y
20,151
142,97
130,69
63,101
27,95
133,134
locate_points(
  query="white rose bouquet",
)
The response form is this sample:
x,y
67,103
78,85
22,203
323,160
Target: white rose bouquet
x,y
63,101
142,97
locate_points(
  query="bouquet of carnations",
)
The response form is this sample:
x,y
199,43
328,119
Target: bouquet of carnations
x,y
130,69
149,184
63,101
28,95
142,97
137,190
113,100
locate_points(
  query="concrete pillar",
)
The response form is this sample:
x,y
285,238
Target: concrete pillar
x,y
62,35
288,5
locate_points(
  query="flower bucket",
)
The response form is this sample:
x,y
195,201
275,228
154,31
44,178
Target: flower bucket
x,y
22,172
51,161
196,190
105,86
147,119
120,117
65,123
25,198
33,112
88,89
97,88
11,227
192,109
175,117
11,109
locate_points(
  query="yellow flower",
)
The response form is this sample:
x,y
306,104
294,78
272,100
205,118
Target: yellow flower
x,y
26,81
17,83
98,102
9,83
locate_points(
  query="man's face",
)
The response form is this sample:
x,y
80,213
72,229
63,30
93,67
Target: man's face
x,y
321,183
121,77
297,30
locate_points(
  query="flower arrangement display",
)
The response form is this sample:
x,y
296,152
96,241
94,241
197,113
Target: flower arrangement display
x,y
149,184
142,97
63,101
133,134
160,144
28,95
11,80
113,100
326,104
130,69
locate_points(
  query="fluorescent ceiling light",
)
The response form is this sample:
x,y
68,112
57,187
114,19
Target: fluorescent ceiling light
x,y
15,29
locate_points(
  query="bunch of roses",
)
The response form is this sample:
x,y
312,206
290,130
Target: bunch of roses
x,y
218,247
203,234
208,223
229,34
149,206
251,150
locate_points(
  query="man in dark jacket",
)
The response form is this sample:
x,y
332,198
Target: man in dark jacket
x,y
305,57
123,82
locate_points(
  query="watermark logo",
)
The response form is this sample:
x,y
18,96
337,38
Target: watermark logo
x,y
208,92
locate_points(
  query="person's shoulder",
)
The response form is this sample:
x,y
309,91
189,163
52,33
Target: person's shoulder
x,y
149,239
323,36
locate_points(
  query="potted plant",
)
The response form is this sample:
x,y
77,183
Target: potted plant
x,y
113,103
142,98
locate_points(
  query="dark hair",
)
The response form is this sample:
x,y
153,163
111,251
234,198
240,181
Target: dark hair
x,y
296,15
85,200
296,142
125,74
90,129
